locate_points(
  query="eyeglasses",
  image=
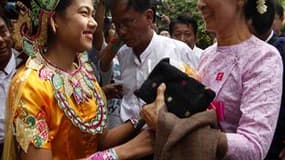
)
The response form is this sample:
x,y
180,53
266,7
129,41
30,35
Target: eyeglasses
x,y
126,24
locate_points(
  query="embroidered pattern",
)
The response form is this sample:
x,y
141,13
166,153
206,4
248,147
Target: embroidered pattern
x,y
109,154
80,86
30,128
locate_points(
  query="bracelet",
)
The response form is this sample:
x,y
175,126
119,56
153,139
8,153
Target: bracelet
x,y
109,154
137,123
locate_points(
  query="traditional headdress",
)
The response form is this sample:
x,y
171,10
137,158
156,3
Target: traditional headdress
x,y
31,29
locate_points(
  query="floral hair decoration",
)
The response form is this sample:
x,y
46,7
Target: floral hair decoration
x,y
30,30
261,6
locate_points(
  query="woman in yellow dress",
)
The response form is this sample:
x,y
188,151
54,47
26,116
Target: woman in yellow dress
x,y
57,110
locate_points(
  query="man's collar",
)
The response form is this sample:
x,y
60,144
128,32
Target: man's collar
x,y
10,67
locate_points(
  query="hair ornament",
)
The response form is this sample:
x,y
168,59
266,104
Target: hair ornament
x,y
261,7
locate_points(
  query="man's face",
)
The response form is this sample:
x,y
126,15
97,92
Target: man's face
x,y
277,24
131,25
5,42
184,33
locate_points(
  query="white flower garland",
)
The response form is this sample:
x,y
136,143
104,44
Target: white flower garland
x,y
261,7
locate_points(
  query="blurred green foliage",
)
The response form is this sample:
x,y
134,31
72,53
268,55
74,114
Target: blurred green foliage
x,y
282,2
173,8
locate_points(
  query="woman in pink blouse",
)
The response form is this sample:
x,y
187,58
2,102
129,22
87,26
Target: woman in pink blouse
x,y
246,74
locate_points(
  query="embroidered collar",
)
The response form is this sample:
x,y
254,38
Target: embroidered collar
x,y
79,85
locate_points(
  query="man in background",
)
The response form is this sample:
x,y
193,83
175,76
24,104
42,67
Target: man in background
x,y
278,19
142,50
7,69
185,29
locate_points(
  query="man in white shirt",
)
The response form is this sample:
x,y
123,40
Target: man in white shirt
x,y
7,70
184,28
141,51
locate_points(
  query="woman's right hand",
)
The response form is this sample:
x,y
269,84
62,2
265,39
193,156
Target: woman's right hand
x,y
140,146
149,112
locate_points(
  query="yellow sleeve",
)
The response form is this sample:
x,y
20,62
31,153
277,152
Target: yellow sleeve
x,y
30,116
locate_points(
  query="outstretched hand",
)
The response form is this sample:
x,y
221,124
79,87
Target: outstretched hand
x,y
140,146
150,111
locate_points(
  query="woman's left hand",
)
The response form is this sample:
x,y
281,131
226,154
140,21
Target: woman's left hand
x,y
149,112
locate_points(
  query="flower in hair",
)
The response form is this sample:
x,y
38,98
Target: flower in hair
x,y
261,7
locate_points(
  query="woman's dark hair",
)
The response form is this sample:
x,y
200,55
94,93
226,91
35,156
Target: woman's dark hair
x,y
261,22
62,5
60,9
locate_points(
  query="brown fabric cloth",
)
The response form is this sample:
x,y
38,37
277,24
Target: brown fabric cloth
x,y
192,138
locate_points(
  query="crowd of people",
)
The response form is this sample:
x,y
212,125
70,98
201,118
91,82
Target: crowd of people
x,y
68,74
